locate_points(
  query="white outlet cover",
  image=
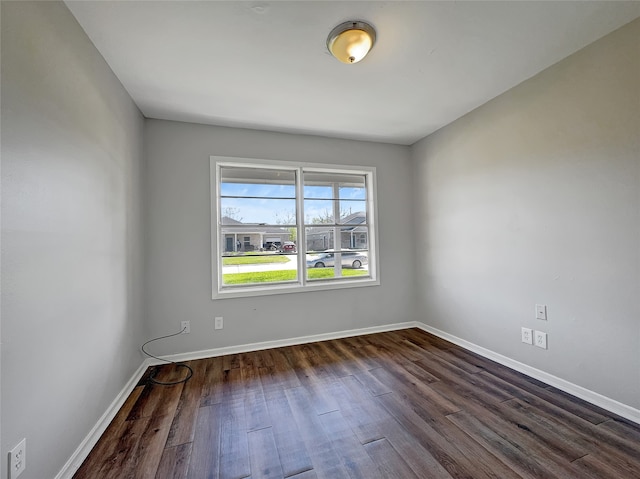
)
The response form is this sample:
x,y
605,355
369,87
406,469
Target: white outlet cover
x,y
219,322
18,459
541,311
527,335
540,339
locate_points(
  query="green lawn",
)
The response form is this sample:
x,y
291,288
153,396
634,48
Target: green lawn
x,y
286,275
275,258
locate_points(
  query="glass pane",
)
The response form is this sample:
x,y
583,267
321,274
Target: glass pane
x,y
245,260
257,210
353,212
318,212
323,190
353,193
257,239
319,238
257,183
325,186
354,238
330,264
318,191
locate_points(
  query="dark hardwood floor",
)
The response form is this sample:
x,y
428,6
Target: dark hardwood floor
x,y
402,404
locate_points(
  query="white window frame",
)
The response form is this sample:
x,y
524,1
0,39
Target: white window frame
x,y
302,284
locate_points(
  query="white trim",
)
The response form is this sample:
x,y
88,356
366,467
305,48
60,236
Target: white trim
x,y
279,343
592,397
83,450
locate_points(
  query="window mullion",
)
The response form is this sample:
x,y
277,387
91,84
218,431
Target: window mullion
x,y
337,236
301,234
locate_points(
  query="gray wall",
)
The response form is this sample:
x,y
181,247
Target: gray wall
x,y
534,198
178,250
71,202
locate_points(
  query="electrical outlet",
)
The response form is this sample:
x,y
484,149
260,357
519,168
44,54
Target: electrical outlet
x,y
18,459
527,335
541,311
540,339
185,327
219,322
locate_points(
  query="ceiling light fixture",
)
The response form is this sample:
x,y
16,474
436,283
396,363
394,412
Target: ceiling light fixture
x,y
350,42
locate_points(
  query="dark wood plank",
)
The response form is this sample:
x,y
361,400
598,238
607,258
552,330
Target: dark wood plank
x,y
452,458
292,451
174,462
389,463
184,422
139,450
595,467
158,400
335,362
324,458
402,382
234,444
364,415
350,451
527,462
265,463
205,452
212,388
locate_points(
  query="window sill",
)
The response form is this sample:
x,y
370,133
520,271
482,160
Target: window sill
x,y
252,291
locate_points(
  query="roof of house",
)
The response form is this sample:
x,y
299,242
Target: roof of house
x,y
247,228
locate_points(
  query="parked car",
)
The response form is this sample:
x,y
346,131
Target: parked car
x,y
289,247
350,259
272,246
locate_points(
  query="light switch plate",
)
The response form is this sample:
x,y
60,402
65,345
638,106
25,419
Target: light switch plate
x,y
541,311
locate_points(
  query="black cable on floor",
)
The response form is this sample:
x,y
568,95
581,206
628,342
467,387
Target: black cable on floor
x,y
180,365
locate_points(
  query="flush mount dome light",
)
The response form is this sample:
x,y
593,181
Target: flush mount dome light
x,y
350,42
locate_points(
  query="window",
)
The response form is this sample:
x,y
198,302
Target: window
x,y
281,227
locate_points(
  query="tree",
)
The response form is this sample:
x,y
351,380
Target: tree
x,y
325,217
288,218
232,212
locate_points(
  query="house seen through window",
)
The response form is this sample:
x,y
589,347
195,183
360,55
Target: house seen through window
x,y
282,227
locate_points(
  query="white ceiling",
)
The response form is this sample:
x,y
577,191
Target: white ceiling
x,y
264,65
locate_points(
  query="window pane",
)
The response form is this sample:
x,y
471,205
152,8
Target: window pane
x,y
255,210
318,191
353,212
257,183
321,181
245,261
330,264
353,192
318,212
258,268
319,238
355,238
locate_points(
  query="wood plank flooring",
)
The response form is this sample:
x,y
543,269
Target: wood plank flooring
x,y
402,404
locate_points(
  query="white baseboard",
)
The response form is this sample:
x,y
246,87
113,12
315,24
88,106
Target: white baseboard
x,y
83,450
592,397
